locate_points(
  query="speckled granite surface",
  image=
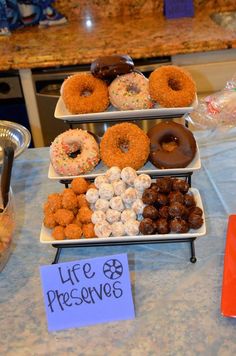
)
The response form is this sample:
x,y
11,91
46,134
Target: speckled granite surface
x,y
79,42
112,8
177,303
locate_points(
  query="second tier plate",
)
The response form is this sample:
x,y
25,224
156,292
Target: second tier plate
x,y
148,168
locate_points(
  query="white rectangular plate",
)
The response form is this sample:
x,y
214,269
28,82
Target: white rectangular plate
x,y
148,168
46,238
62,113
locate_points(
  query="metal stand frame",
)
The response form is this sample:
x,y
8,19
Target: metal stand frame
x,y
66,182
190,240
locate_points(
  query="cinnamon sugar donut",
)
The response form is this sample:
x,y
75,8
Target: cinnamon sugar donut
x,y
171,86
83,93
124,145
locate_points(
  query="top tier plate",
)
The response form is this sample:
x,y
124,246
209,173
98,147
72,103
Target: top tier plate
x,y
112,114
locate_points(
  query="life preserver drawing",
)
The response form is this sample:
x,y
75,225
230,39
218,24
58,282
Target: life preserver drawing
x,y
113,269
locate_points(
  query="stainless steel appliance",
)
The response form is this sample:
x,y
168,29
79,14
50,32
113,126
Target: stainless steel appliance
x,y
47,83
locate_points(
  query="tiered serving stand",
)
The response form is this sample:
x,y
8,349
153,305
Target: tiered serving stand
x,y
120,116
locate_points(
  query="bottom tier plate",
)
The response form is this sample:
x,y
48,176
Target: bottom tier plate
x,y
46,237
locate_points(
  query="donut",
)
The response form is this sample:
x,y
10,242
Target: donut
x,y
172,145
108,67
98,216
128,175
171,86
124,145
130,92
118,229
83,93
74,152
113,174
119,187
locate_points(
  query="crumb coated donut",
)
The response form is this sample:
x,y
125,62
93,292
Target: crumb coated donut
x,y
58,233
79,185
73,231
171,86
124,145
130,92
88,231
74,152
63,217
172,145
83,93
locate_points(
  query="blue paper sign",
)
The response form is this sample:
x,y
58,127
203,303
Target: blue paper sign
x,y
178,8
87,292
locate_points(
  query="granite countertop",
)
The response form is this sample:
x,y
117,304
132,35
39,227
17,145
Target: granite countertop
x,y
75,43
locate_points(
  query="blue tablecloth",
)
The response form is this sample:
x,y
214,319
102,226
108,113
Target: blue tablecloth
x,y
177,303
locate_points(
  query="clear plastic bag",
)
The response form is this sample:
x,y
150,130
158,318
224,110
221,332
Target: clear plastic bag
x,y
217,110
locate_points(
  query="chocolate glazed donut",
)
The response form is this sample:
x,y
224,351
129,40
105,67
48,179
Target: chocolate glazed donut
x,y
172,145
108,67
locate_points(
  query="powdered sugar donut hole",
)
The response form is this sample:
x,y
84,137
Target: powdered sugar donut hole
x,y
98,216
92,195
132,227
142,182
106,191
102,229
128,175
99,180
117,202
112,216
119,187
129,196
127,214
113,174
117,229
138,206
102,204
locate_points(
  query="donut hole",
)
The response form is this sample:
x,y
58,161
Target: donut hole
x,y
169,143
74,154
86,91
175,84
123,145
132,89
